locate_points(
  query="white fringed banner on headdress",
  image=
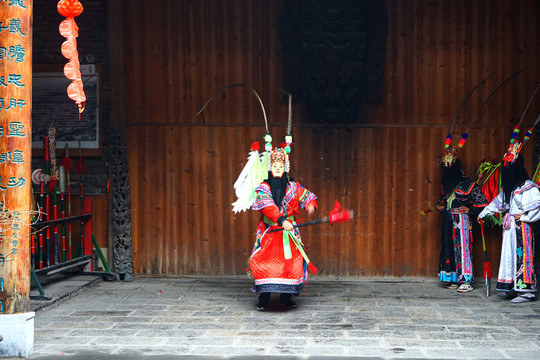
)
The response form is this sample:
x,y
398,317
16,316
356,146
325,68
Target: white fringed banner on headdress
x,y
256,169
258,164
253,173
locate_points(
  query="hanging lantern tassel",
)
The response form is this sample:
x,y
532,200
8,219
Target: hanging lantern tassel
x,y
69,29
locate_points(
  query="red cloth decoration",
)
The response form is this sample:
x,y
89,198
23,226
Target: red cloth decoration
x,y
491,187
312,268
487,270
335,216
67,164
69,29
46,144
80,166
52,183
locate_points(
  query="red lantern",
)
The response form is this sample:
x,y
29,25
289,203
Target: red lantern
x,y
69,29
69,8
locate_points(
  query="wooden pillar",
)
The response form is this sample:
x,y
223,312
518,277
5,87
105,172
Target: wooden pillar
x,y
115,10
115,32
15,154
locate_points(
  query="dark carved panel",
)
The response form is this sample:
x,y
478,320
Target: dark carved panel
x,y
333,55
121,206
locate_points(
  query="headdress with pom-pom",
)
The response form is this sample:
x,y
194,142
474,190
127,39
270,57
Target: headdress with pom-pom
x,y
450,152
515,146
256,169
282,152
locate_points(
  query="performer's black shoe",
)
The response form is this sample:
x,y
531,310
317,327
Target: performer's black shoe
x,y
507,294
263,301
285,300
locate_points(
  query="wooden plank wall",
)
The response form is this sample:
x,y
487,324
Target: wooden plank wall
x,y
385,166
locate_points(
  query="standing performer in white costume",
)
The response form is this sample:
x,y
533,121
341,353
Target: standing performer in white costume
x,y
520,197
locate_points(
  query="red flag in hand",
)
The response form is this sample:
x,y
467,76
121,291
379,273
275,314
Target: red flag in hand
x,y
335,216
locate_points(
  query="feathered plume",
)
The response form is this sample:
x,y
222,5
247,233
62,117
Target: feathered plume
x,y
252,175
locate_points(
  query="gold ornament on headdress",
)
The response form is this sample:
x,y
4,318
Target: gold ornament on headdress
x,y
449,157
280,153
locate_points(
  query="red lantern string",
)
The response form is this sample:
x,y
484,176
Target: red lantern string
x,y
69,29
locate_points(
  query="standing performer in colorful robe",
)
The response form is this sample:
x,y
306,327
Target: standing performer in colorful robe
x,y
278,262
461,199
521,198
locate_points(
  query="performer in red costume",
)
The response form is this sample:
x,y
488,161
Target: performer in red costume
x,y
278,262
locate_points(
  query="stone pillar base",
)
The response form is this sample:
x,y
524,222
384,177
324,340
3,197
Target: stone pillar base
x,y
17,334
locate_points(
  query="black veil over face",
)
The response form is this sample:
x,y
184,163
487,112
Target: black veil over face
x,y
278,186
512,177
451,176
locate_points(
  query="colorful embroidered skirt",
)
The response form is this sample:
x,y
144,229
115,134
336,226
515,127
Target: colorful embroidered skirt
x,y
517,267
274,273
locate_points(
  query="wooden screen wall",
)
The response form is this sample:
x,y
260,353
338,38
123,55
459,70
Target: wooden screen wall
x,y
385,166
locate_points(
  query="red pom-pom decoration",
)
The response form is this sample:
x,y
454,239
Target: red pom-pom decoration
x,y
464,137
448,141
255,146
66,163
283,145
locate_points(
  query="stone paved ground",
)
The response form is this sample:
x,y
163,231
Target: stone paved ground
x,y
215,318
